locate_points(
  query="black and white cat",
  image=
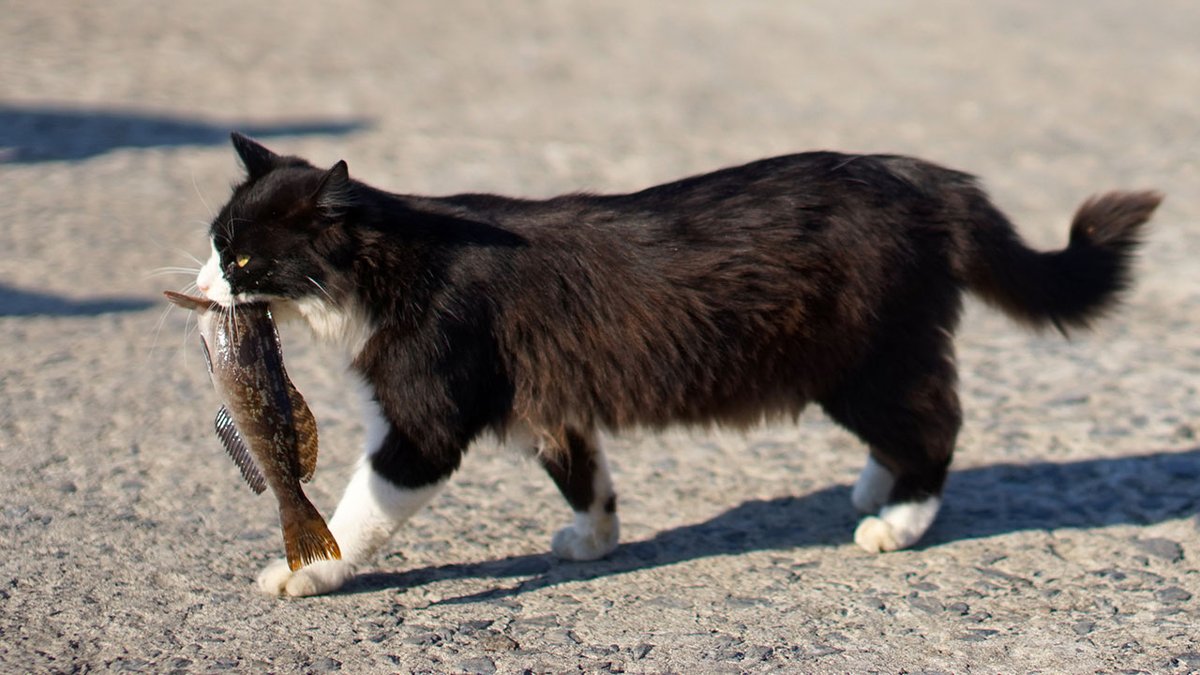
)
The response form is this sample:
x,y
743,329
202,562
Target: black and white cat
x,y
726,298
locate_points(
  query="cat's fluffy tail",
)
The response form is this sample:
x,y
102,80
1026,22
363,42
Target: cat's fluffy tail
x,y
1066,288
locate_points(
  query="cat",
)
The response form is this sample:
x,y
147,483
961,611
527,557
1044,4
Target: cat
x,y
723,299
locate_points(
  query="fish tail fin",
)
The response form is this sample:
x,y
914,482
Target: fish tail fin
x,y
307,538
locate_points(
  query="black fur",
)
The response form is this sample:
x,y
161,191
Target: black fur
x,y
573,469
724,298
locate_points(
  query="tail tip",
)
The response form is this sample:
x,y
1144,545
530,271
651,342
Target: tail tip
x,y
1115,215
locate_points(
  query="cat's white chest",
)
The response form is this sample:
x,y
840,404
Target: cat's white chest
x,y
347,327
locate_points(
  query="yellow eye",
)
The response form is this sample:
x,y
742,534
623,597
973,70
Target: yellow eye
x,y
242,260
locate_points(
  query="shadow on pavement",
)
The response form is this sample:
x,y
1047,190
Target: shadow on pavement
x,y
18,302
981,502
30,134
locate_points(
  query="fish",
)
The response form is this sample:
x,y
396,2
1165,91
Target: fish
x,y
264,423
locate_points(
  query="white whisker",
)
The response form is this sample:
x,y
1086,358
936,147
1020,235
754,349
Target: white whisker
x,y
180,251
201,196
169,271
320,287
188,327
191,257
229,223
233,322
162,319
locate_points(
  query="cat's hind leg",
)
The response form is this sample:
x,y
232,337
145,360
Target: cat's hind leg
x,y
905,407
577,465
873,487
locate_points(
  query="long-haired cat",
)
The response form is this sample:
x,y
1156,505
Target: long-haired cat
x,y
726,298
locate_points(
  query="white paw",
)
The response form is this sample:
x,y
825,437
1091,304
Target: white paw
x,y
323,576
587,539
897,526
874,535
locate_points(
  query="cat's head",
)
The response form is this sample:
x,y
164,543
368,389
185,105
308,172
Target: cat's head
x,y
277,236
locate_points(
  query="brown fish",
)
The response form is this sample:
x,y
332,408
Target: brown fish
x,y
264,424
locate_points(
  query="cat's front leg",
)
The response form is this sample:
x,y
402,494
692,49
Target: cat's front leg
x,y
577,465
371,511
395,478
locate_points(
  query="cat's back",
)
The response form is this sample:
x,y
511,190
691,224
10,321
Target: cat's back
x,y
805,189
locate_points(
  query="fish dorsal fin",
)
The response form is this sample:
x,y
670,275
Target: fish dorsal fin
x,y
306,432
235,445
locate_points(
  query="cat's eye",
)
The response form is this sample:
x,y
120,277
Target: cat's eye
x,y
241,260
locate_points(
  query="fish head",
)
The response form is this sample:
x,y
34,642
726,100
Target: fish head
x,y
209,317
192,302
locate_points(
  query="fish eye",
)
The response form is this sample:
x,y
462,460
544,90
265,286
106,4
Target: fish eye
x,y
241,260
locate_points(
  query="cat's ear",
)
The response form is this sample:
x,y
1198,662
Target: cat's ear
x,y
334,194
257,159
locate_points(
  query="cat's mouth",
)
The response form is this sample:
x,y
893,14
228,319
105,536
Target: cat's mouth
x,y
229,300
283,309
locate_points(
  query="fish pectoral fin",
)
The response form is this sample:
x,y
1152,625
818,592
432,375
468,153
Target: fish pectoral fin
x,y
235,445
306,433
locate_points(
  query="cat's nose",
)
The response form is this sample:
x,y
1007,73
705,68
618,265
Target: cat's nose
x,y
203,286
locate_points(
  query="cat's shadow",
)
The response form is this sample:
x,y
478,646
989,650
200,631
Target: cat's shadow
x,y
980,502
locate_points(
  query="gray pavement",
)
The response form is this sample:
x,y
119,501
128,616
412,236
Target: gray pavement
x,y
1068,542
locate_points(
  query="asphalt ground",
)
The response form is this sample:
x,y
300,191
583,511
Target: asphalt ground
x,y
1068,542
